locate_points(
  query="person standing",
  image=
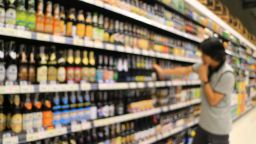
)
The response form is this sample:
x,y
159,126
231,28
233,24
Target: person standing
x,y
218,82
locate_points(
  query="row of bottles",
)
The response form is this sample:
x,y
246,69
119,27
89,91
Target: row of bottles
x,y
21,63
129,132
55,19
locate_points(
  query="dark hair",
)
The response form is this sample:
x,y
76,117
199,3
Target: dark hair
x,y
214,49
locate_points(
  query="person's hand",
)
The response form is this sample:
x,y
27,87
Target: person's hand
x,y
203,73
158,70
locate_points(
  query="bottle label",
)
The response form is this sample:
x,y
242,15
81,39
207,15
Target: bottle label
x,y
31,21
92,75
40,23
38,119
32,74
52,73
16,123
93,113
47,119
100,112
70,73
2,72
12,73
61,74
84,74
111,110
56,26
2,122
69,28
27,123
77,74
56,118
99,75
2,15
42,74
21,18
105,111
89,31
48,25
65,118
10,16
62,27
120,110
23,73
80,30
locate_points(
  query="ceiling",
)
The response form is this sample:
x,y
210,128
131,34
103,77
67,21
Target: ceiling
x,y
246,16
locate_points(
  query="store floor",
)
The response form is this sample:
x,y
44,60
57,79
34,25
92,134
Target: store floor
x,y
244,129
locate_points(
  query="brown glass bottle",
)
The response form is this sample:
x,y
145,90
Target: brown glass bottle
x,y
70,26
80,25
56,19
70,65
42,65
52,65
37,112
92,71
3,116
48,19
32,67
78,66
27,114
61,72
89,27
47,112
62,21
85,68
16,116
23,67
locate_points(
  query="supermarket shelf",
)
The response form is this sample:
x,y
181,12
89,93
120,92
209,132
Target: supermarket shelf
x,y
229,52
170,133
243,114
142,19
90,44
137,115
43,134
205,11
20,89
75,127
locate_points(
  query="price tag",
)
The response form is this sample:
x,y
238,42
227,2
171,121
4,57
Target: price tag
x,y
78,41
145,52
76,127
10,31
120,48
51,133
162,83
133,85
26,89
168,83
110,47
43,88
98,44
86,125
74,87
150,84
24,34
12,89
42,36
152,53
128,49
98,3
137,51
61,131
88,43
140,85
58,39
2,89
11,140
32,136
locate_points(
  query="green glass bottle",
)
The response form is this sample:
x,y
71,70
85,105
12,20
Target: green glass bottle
x,y
31,17
21,14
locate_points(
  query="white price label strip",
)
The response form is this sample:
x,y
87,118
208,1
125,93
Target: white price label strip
x,y
140,85
59,39
10,140
85,86
98,44
86,125
42,36
12,89
75,127
24,34
109,47
78,41
129,50
26,89
137,51
120,48
88,43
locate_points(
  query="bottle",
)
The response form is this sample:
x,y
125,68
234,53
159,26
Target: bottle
x,y
111,69
40,16
21,14
89,27
9,104
42,65
112,134
106,30
118,139
80,106
72,106
85,68
52,65
78,64
11,58
93,107
23,67
56,109
61,72
105,69
100,105
3,117
80,26
120,104
121,33
48,19
47,112
92,71
31,17
105,106
62,21
16,115
37,112
101,28
56,19
111,104
106,135
99,72
2,62
70,26
70,65
31,67
10,14
65,118
95,24
72,139
123,133
111,31
27,114
2,13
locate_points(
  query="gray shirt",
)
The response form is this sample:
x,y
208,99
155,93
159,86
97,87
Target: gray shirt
x,y
217,119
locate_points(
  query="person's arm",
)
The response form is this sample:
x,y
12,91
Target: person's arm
x,y
224,86
173,71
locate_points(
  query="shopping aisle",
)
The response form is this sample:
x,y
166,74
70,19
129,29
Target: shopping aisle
x,y
244,129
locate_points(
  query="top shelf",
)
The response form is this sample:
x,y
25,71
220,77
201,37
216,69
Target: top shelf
x,y
205,11
142,19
